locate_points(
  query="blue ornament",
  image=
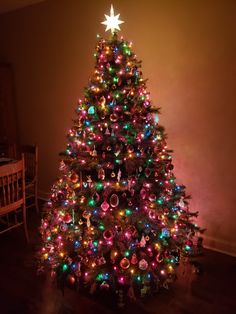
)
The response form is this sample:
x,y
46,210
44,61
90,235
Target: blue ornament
x,y
165,233
91,110
77,244
147,134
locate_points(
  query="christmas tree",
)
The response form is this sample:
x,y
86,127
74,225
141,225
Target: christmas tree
x,y
117,219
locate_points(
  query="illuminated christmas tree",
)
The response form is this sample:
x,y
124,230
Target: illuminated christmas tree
x,y
117,219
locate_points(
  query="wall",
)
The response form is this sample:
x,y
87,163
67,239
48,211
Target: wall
x,y
188,52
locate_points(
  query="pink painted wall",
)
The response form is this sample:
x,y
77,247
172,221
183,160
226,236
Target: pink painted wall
x,y
188,50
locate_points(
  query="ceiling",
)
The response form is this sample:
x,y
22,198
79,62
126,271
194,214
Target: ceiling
x,y
10,5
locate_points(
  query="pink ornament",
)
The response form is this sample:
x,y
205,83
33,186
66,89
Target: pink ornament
x,y
159,258
152,197
101,261
105,206
152,214
143,193
127,235
114,200
143,264
121,280
63,227
142,242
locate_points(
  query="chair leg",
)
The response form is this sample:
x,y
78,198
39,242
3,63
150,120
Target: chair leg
x,y
25,223
36,197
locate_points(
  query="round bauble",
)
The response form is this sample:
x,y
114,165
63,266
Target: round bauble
x,y
67,218
125,263
74,177
70,279
114,200
91,136
152,197
63,227
143,264
108,235
113,117
130,149
152,214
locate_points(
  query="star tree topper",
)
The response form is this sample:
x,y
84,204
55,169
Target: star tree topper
x,y
112,22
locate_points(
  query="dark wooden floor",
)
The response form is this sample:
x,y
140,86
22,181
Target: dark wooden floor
x,y
23,292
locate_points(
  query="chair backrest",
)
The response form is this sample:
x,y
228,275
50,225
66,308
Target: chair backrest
x,y
12,186
8,150
31,160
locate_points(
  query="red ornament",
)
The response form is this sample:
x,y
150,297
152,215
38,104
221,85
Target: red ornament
x,y
108,235
67,218
114,200
74,177
113,117
147,172
134,259
125,263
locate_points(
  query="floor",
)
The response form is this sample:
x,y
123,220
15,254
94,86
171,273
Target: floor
x,y
22,291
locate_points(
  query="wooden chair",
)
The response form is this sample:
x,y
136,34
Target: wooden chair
x,y
31,174
12,196
8,150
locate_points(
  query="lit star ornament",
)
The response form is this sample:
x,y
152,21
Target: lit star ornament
x,y
112,22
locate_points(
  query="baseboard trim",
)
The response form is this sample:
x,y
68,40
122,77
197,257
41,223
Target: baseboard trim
x,y
219,245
